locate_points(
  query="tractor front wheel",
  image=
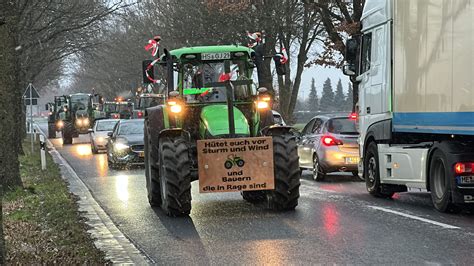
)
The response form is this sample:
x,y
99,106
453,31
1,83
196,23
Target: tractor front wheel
x,y
67,133
51,131
287,174
175,176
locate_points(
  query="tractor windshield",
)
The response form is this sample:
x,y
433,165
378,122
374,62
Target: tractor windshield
x,y
80,102
198,78
110,107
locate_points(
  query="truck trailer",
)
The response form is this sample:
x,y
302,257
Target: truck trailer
x,y
414,65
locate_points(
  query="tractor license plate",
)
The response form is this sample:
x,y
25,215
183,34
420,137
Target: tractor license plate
x,y
141,154
467,179
236,164
352,160
215,56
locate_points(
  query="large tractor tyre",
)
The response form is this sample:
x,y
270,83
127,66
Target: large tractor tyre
x,y
51,131
175,176
287,174
151,172
67,133
372,172
253,196
440,184
319,174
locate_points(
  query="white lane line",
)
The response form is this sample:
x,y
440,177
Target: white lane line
x,y
447,226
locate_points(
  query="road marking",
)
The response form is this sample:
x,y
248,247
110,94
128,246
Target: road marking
x,y
447,226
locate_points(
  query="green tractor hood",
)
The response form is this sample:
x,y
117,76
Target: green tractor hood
x,y
214,121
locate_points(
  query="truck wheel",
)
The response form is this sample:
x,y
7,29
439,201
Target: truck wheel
x,y
51,131
372,173
440,184
253,196
175,176
318,172
287,174
151,172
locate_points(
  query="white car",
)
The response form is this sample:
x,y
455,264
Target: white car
x,y
98,134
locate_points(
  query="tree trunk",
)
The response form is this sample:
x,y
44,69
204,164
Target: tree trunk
x,y
9,135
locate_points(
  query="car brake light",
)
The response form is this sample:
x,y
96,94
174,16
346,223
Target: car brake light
x,y
331,141
461,168
140,114
353,116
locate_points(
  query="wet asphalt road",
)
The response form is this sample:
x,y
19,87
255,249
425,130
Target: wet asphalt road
x,y
336,222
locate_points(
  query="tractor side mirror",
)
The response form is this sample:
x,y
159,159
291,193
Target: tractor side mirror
x,y
279,66
148,71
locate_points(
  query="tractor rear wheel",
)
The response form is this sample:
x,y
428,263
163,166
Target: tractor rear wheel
x,y
287,174
51,131
175,176
151,172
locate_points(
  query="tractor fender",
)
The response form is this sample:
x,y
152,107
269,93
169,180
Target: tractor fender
x,y
175,132
276,130
155,123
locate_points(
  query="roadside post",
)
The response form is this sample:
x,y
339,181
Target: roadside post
x,y
43,152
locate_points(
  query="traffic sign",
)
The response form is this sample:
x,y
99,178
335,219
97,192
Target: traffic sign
x,y
31,92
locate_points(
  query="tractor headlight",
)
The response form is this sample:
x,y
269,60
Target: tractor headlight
x,y
60,124
85,121
120,146
175,107
262,105
79,122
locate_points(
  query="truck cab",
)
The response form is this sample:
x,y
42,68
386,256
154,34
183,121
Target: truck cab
x,y
416,104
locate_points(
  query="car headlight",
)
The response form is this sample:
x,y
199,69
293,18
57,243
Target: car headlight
x,y
120,146
101,139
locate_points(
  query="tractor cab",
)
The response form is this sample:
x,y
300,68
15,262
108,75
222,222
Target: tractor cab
x,y
147,100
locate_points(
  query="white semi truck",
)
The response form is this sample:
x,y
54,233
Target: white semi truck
x,y
414,64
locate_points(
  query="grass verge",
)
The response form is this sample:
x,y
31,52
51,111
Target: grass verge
x,y
41,220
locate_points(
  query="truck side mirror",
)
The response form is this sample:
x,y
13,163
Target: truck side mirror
x,y
148,71
352,49
348,70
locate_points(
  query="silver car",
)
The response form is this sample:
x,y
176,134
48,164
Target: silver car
x,y
98,134
328,143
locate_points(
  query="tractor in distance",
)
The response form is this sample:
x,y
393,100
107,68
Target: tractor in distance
x,y
79,115
147,100
55,109
214,111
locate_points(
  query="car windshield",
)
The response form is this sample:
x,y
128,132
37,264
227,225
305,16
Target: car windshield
x,y
342,126
105,125
197,79
79,102
146,102
131,128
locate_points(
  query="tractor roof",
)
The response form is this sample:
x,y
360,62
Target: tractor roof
x,y
210,49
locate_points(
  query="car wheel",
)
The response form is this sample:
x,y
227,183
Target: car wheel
x,y
93,148
318,172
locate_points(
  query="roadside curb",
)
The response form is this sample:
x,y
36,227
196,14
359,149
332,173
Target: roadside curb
x,y
107,237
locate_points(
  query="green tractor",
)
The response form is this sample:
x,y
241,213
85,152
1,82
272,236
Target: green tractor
x,y
217,127
79,115
55,109
147,100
